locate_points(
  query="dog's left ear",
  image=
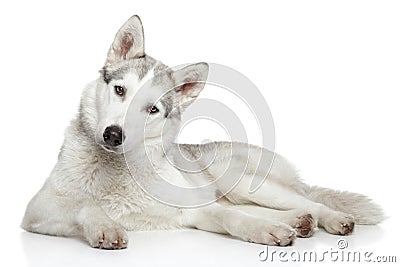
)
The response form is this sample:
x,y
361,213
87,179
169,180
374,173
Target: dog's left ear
x,y
128,42
189,82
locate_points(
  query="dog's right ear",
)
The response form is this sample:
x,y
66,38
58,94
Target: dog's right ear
x,y
128,42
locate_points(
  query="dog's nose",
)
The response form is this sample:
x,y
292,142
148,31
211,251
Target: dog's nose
x,y
113,135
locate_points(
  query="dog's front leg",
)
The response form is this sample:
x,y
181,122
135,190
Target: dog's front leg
x,y
219,219
52,214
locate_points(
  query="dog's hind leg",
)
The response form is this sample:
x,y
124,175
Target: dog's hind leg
x,y
52,214
300,220
276,196
221,219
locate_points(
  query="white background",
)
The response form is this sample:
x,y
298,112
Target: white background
x,y
328,70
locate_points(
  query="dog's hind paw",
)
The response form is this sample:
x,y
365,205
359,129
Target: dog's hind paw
x,y
305,225
277,234
339,224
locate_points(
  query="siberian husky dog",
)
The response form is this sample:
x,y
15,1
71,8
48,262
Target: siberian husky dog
x,y
108,164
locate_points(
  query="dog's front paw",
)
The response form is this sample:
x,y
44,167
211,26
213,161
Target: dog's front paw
x,y
339,223
106,236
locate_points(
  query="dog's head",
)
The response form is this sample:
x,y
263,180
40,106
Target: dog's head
x,y
138,92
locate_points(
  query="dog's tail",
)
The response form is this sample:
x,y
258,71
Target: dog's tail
x,y
364,210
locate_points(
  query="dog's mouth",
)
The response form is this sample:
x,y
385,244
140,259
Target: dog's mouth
x,y
117,150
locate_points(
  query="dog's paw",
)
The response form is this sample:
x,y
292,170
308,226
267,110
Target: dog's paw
x,y
305,225
106,236
339,224
276,234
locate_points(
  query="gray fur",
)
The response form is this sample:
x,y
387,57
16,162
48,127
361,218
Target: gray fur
x,y
91,192
140,65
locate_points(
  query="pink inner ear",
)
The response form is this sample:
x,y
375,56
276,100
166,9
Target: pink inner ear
x,y
126,44
187,87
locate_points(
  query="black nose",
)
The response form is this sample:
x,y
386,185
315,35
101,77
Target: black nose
x,y
113,135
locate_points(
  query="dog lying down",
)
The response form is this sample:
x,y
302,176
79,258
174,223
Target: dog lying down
x,y
92,192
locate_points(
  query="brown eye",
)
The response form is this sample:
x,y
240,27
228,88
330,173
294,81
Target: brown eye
x,y
119,90
153,110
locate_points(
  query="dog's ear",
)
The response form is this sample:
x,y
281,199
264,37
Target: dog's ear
x,y
189,81
128,42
